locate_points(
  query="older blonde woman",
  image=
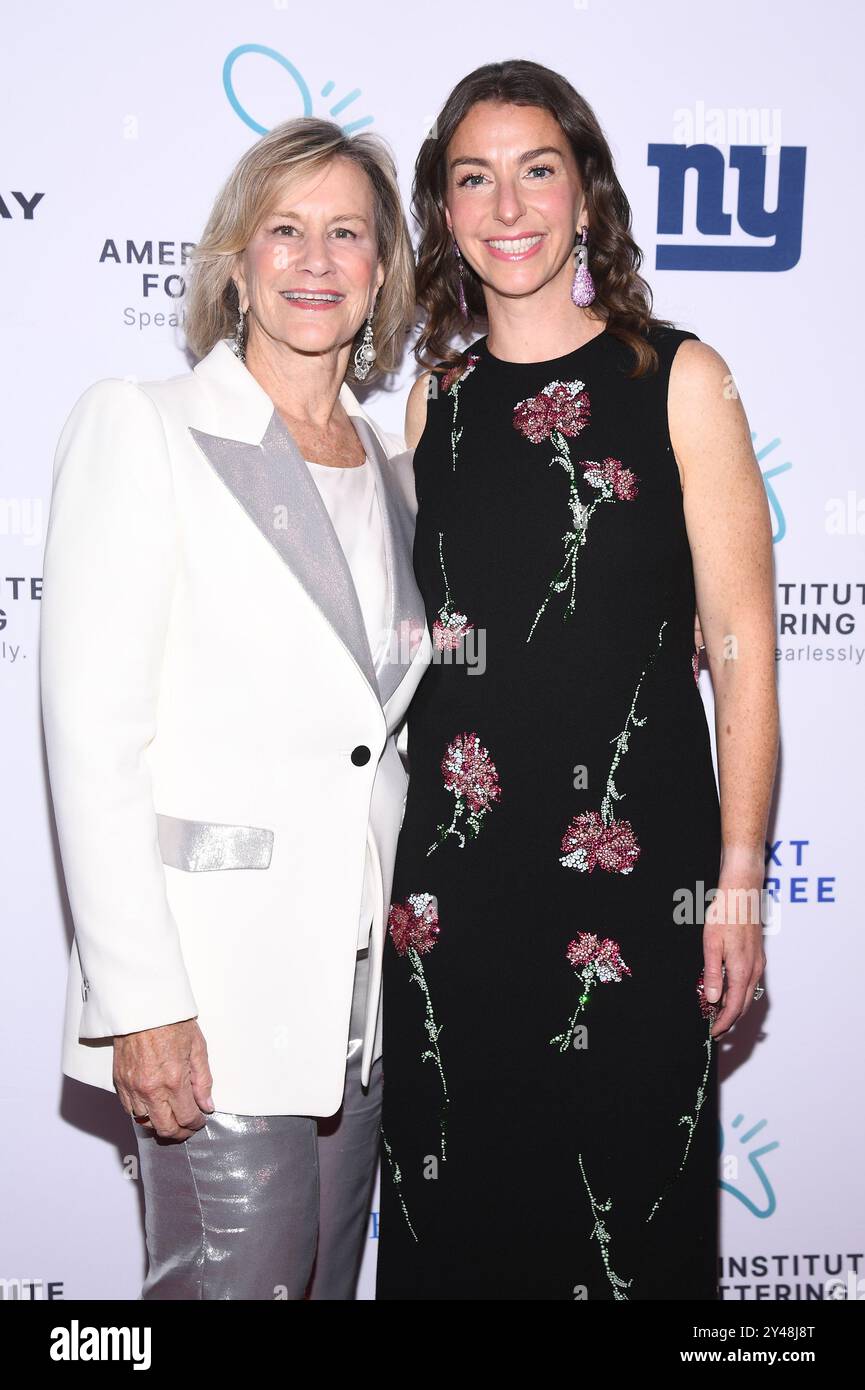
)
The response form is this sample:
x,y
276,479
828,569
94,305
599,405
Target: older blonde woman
x,y
231,548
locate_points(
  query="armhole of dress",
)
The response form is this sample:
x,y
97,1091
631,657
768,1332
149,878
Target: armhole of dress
x,y
667,353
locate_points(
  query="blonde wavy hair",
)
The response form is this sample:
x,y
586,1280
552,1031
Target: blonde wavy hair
x,y
297,148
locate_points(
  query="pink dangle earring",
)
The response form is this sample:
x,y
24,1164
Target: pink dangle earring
x,y
460,265
583,287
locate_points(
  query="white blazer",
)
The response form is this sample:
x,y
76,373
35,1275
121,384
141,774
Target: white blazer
x,y
221,750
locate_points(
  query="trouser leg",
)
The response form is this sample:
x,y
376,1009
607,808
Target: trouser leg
x,y
231,1212
347,1154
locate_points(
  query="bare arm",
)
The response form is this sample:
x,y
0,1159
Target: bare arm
x,y
415,410
730,535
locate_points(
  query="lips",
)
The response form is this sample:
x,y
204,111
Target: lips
x,y
514,248
311,299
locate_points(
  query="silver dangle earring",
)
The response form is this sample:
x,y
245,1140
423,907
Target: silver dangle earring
x,y
239,344
583,287
365,355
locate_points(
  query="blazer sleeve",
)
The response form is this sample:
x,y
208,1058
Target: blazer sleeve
x,y
108,579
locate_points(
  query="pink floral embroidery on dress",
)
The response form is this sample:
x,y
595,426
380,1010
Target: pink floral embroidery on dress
x,y
596,963
560,411
589,844
414,930
613,483
450,627
561,408
597,839
451,384
695,665
471,775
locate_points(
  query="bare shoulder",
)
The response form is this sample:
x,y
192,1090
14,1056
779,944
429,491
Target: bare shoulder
x,y
415,410
705,413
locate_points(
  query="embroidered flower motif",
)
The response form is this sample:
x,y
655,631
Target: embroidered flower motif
x,y
613,483
459,372
589,844
470,773
562,407
709,1011
695,664
597,963
450,627
414,929
598,840
451,384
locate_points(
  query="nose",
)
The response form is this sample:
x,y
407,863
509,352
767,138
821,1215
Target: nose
x,y
315,254
509,202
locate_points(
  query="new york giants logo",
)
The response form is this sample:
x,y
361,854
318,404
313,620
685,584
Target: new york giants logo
x,y
783,225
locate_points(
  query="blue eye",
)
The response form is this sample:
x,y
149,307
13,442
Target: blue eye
x,y
348,231
545,168
461,183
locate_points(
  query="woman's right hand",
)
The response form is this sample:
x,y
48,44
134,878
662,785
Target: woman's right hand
x,y
164,1073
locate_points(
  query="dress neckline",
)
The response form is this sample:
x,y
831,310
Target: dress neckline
x,y
551,363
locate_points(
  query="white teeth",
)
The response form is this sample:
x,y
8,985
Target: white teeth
x,y
516,248
328,298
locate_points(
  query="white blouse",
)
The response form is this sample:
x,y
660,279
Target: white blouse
x,y
350,497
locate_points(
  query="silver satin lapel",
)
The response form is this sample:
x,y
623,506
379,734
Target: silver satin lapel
x,y
407,615
273,485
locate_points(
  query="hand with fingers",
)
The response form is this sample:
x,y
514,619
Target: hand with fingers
x,y
734,958
163,1078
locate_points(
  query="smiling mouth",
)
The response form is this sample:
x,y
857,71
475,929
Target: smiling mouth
x,y
514,246
311,297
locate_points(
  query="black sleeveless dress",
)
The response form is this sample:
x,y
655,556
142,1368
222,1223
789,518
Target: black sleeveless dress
x,y
550,1124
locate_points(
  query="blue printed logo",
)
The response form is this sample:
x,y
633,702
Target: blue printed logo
x,y
298,101
784,225
779,524
755,1190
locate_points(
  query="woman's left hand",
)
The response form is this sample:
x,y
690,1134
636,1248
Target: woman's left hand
x,y
733,939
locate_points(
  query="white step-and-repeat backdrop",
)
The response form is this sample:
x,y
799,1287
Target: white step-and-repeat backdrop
x,y
119,124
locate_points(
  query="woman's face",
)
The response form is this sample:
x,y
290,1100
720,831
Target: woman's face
x,y
310,274
514,198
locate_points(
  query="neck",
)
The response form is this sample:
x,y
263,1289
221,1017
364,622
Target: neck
x,y
304,386
539,326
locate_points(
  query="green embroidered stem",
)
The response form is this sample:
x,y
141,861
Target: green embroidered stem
x,y
690,1121
600,1232
444,831
397,1178
444,575
564,1039
574,539
622,740
456,434
431,1055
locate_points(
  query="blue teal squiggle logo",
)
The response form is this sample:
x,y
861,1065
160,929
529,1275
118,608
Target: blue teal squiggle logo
x,y
779,525
769,1202
299,82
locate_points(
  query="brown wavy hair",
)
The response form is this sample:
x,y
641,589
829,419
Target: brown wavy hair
x,y
622,297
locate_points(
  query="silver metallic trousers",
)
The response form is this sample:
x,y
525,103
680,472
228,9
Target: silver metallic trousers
x,y
265,1206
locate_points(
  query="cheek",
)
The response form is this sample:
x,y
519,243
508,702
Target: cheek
x,y
266,260
557,204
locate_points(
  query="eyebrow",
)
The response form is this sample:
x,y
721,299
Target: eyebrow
x,y
524,158
338,217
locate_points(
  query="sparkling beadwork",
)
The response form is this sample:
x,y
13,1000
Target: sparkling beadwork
x,y
414,928
471,775
596,963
